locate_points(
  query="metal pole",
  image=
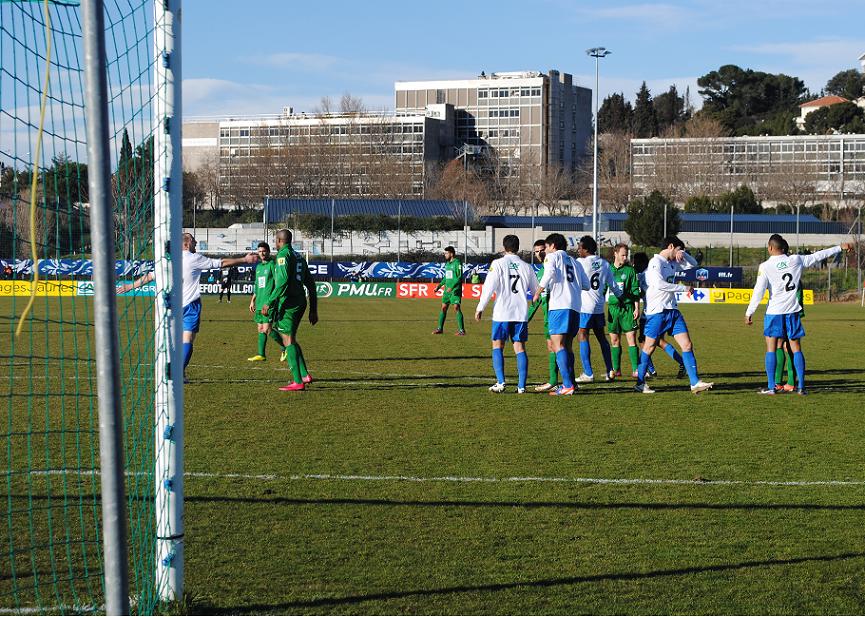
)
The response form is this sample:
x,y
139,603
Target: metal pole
x,y
595,163
859,248
665,220
828,280
332,218
465,209
731,236
797,228
168,256
398,228
105,312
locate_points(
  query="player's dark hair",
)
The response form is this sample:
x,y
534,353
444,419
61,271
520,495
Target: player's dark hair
x,y
450,249
264,245
558,241
640,261
589,245
674,240
511,243
778,242
540,243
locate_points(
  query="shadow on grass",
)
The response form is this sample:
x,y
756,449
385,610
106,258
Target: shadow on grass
x,y
529,505
527,584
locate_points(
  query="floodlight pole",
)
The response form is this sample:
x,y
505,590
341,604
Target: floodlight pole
x,y
168,258
731,236
597,53
105,312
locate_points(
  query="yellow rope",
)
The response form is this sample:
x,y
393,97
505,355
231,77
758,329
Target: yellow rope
x,y
35,177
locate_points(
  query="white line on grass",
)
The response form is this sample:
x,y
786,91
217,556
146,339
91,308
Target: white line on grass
x,y
474,479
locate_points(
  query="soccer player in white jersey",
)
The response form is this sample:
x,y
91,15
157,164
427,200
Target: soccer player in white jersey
x,y
781,275
600,276
564,281
512,281
193,265
662,312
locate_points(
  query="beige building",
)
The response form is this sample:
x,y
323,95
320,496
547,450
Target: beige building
x,y
516,117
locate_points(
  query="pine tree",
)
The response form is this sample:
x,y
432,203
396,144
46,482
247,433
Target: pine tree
x,y
615,115
645,120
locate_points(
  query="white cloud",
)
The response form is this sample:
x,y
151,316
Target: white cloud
x,y
663,15
834,52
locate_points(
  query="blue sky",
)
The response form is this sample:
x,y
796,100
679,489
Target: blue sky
x,y
255,57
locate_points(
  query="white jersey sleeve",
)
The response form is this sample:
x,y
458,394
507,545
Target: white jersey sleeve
x,y
759,291
491,285
193,265
813,259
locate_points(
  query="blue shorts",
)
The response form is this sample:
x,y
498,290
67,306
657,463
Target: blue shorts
x,y
784,326
668,322
517,331
590,321
562,321
192,316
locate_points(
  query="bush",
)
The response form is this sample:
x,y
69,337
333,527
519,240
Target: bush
x,y
645,224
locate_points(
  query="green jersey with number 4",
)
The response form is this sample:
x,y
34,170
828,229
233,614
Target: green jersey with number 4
x,y
453,280
263,283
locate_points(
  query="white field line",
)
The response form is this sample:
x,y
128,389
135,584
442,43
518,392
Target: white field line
x,y
473,479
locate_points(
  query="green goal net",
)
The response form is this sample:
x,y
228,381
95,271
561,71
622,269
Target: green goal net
x,y
51,550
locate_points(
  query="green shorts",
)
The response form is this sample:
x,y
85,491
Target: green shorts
x,y
452,298
260,319
289,319
621,320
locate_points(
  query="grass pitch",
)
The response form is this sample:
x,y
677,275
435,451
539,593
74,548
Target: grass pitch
x,y
398,484
419,512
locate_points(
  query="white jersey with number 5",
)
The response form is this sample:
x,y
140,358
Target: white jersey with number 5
x,y
597,270
564,281
511,280
780,274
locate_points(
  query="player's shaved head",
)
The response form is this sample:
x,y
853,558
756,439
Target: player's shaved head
x,y
283,237
778,243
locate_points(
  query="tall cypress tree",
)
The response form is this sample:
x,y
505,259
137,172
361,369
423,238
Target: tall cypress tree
x,y
645,120
615,115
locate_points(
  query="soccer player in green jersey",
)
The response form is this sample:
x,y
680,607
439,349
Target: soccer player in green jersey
x,y
539,252
623,314
262,287
453,294
288,303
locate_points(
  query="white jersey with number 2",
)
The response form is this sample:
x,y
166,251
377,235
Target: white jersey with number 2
x,y
780,274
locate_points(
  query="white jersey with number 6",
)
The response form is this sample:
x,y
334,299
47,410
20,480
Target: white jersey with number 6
x,y
597,270
780,274
511,280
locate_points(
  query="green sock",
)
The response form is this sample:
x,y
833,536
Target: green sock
x,y
262,342
779,364
441,320
276,337
554,370
791,379
301,361
293,363
460,323
634,354
616,352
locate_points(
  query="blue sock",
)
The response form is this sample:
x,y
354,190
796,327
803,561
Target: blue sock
x,y
187,353
586,357
799,365
771,364
499,365
671,351
605,352
522,369
651,366
564,369
572,360
691,366
643,366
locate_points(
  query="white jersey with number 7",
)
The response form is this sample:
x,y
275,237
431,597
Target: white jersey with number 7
x,y
511,280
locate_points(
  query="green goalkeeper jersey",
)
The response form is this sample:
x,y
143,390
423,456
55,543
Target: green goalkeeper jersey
x,y
453,279
625,278
263,283
543,301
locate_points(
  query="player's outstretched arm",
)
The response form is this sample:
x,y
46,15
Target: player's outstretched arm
x,y
249,258
143,280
